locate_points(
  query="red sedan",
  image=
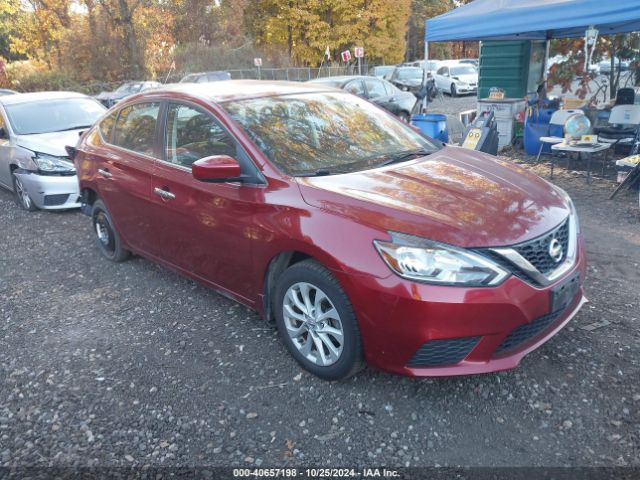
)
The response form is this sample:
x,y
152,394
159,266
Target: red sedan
x,y
361,239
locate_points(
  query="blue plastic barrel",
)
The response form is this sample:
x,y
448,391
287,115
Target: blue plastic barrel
x,y
536,125
433,125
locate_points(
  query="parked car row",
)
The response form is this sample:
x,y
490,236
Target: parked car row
x,y
454,77
376,90
361,239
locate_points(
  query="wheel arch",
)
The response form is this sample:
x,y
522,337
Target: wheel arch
x,y
278,263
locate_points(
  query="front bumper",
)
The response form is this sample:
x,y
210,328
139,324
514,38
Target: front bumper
x,y
466,89
51,192
483,329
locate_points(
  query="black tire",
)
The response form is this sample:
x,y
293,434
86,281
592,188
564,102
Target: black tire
x,y
22,197
405,117
351,359
106,237
454,90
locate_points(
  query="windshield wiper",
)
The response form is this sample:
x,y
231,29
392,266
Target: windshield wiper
x,y
406,155
323,172
75,127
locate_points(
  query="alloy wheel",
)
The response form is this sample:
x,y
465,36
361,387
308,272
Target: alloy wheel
x,y
313,324
22,194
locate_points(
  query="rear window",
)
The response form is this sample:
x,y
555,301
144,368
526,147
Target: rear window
x,y
136,128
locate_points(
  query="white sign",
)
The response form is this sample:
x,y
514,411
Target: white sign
x,y
346,56
257,62
359,52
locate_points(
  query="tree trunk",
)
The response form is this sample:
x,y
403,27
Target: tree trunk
x,y
130,40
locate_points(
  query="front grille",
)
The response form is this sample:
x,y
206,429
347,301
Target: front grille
x,y
536,251
438,353
526,332
55,200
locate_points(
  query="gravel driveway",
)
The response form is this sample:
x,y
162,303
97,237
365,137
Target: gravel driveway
x,y
131,364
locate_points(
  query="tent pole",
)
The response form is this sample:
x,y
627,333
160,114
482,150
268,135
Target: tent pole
x,y
425,101
545,73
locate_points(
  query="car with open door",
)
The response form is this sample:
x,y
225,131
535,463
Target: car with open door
x,y
376,90
35,128
359,238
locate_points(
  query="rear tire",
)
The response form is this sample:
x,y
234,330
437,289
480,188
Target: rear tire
x,y
107,239
22,196
316,321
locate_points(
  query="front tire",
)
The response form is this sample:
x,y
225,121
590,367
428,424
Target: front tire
x,y
454,90
22,196
107,239
316,321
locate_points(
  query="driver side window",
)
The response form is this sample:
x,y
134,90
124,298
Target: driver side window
x,y
193,134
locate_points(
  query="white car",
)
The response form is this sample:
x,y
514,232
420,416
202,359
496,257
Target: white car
x,y
35,128
457,78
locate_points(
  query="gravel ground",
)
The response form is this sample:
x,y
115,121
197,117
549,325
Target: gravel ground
x,y
131,364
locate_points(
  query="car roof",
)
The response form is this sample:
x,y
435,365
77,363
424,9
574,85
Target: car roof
x,y
38,96
238,89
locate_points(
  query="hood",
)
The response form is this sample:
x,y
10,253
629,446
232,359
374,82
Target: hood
x,y
471,78
456,196
50,143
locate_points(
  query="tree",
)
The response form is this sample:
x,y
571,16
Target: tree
x,y
305,28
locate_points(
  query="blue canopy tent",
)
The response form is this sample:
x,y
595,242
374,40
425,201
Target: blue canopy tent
x,y
533,19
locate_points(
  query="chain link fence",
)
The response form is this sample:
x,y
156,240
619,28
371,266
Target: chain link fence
x,y
291,74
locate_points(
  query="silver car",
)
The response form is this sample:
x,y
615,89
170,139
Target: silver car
x,y
34,130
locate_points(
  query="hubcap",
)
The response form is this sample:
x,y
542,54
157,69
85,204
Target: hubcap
x,y
103,232
22,194
313,324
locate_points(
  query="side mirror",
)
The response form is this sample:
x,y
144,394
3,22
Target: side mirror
x,y
217,169
3,134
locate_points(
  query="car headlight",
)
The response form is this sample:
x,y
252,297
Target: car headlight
x,y
50,164
423,260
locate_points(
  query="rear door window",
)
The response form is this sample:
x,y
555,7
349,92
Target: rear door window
x,y
106,127
375,88
135,128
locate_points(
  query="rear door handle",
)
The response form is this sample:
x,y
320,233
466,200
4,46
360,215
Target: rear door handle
x,y
164,194
105,173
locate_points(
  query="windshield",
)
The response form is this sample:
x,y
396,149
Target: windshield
x,y
410,73
53,115
463,70
332,132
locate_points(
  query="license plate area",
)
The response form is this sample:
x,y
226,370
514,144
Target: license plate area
x,y
563,294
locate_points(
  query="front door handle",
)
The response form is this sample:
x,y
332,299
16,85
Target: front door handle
x,y
164,194
105,173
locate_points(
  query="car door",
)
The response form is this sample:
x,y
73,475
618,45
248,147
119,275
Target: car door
x,y
443,82
203,228
377,93
124,168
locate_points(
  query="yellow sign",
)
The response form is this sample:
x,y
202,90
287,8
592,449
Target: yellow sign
x,y
472,139
589,138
